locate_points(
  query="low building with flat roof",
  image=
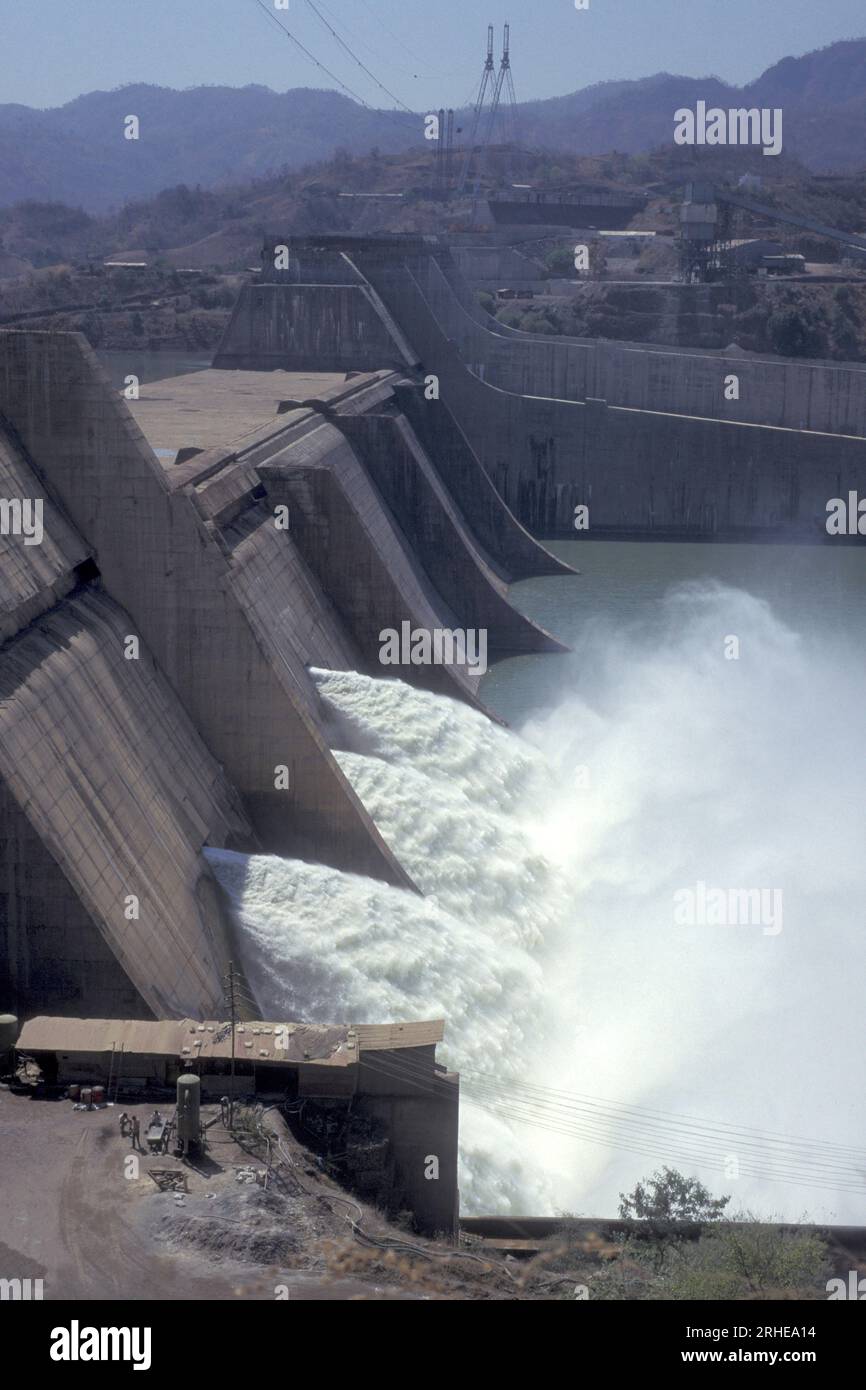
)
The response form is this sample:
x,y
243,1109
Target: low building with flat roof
x,y
378,1084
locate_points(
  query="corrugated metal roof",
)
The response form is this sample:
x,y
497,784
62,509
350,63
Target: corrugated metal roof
x,y
379,1037
189,1039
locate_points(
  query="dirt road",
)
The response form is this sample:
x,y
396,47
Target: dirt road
x,y
80,1211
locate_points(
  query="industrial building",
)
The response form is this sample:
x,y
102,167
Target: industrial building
x,y
390,1107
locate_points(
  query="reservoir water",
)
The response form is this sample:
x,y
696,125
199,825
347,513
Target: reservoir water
x,y
818,591
150,366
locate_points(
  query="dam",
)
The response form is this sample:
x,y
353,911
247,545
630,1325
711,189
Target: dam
x,y
645,437
200,761
399,504
161,527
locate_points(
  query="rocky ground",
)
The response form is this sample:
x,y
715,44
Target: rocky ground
x,y
82,1212
822,319
152,308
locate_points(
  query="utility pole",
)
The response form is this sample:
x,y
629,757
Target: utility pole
x,y
487,80
117,1074
504,83
506,80
440,154
233,1017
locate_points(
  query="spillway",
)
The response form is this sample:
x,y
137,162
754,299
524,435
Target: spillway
x,y
546,936
453,795
228,530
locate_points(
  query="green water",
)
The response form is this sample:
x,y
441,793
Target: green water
x,y
817,591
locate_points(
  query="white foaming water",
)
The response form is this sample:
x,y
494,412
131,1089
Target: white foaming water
x,y
546,937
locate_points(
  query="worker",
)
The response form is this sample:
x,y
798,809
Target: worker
x,y
135,1125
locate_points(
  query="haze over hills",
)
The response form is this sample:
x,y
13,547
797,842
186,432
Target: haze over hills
x,y
223,228
215,136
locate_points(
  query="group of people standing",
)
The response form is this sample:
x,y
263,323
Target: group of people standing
x,y
130,1126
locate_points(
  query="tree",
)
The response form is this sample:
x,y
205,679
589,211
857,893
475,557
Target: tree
x,y
92,328
511,315
846,341
669,1196
794,333
560,261
536,322
661,1200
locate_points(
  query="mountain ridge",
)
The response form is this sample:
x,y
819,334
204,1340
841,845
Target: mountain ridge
x,y
217,135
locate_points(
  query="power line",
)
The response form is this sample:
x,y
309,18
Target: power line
x,y
416,61
388,30
601,1130
562,1099
356,59
783,1167
608,1137
591,1117
356,38
658,1152
559,1100
313,59
658,1148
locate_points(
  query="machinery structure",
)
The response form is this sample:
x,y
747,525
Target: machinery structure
x,y
707,230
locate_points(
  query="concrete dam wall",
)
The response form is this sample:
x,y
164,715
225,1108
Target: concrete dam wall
x,y
788,392
643,472
266,316
101,768
342,327
527,412
155,646
106,793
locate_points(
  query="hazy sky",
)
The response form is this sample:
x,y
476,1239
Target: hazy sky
x,y
427,53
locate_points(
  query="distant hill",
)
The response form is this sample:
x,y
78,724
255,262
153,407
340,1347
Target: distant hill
x,y
220,136
222,229
77,153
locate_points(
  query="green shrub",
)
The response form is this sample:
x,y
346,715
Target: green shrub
x,y
750,1260
537,322
794,333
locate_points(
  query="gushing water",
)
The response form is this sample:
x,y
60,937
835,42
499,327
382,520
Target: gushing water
x,y
549,863
446,788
